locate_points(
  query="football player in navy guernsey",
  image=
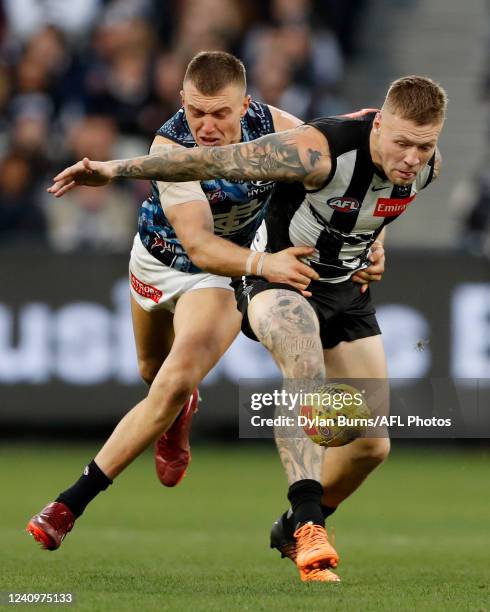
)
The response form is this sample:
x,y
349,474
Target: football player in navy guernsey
x,y
354,174
181,246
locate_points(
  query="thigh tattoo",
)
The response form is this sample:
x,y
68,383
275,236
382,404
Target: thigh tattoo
x,y
289,329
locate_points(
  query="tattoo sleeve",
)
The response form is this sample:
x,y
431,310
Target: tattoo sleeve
x,y
272,157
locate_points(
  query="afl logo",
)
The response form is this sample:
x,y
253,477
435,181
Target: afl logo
x,y
344,204
214,197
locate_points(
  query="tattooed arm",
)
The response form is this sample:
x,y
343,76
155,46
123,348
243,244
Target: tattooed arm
x,y
301,155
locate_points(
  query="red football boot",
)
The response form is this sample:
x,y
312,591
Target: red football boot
x,y
51,525
172,450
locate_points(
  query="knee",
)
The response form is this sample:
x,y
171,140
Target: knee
x,y
148,369
372,451
169,393
180,386
309,367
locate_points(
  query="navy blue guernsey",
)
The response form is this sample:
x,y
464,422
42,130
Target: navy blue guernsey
x,y
238,207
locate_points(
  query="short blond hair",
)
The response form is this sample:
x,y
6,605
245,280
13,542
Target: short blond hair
x,y
212,71
418,99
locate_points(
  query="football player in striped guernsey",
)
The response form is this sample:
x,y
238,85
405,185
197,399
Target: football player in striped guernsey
x,y
351,175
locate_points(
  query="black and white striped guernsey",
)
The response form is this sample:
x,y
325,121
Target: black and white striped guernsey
x,y
343,218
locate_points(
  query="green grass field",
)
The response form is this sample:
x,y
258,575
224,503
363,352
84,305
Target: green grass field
x,y
415,537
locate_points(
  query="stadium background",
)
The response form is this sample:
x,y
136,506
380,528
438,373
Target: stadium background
x,y
96,78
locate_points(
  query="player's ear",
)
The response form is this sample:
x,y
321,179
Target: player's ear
x,y
182,97
377,121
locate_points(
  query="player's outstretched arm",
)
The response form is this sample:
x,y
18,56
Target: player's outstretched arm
x,y
294,155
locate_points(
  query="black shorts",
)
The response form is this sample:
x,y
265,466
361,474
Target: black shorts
x,y
344,313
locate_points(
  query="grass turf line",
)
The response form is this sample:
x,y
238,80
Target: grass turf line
x,y
415,536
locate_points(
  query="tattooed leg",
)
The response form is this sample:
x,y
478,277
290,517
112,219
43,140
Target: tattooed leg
x,y
288,327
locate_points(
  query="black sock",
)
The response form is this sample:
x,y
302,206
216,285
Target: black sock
x,y
327,511
306,498
89,485
288,521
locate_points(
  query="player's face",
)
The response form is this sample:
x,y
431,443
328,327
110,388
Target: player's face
x,y
402,148
215,120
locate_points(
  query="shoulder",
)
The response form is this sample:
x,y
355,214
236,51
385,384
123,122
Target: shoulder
x,y
258,120
177,129
159,141
346,132
315,154
283,120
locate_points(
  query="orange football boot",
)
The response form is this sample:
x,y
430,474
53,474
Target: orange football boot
x,y
313,550
318,575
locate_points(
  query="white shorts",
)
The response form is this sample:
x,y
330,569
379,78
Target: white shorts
x,y
154,285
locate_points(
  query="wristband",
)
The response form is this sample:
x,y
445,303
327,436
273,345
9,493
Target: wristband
x,y
260,264
249,264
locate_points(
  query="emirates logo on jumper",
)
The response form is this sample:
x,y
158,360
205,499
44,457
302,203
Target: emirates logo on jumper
x,y
147,291
391,207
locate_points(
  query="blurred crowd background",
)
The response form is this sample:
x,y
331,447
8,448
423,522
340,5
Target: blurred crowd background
x,y
97,78
471,198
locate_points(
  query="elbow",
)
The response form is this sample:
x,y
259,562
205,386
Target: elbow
x,y
197,255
